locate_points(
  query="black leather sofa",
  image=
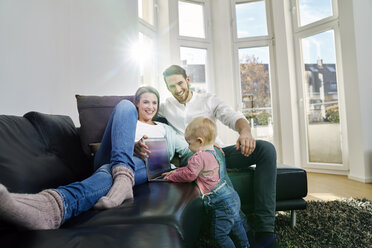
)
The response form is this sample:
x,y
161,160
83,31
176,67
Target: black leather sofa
x,y
39,151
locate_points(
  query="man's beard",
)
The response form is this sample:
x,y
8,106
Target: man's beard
x,y
185,96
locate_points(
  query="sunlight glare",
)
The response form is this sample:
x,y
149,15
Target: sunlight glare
x,y
142,51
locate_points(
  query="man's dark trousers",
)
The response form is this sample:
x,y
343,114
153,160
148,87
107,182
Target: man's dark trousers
x,y
264,157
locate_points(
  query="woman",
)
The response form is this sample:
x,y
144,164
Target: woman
x,y
118,169
120,138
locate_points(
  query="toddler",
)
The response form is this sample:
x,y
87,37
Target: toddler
x,y
221,201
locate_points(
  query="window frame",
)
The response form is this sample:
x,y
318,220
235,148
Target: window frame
x,y
269,35
152,32
299,33
324,21
194,42
146,24
252,42
206,15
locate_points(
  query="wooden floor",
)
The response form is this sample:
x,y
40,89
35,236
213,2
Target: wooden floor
x,y
334,187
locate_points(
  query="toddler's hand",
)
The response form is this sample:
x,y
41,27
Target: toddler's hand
x,y
219,147
167,174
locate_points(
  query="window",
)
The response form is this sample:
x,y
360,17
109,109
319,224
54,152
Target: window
x,y
191,19
253,45
146,11
251,19
316,29
146,59
255,90
194,43
194,59
323,124
144,49
314,10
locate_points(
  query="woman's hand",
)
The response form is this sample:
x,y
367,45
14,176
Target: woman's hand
x,y
167,174
141,149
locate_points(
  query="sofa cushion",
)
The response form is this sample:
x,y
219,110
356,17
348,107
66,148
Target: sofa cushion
x,y
176,204
291,183
291,187
61,137
94,113
30,163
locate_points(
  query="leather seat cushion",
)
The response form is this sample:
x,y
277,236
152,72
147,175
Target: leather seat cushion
x,y
138,235
174,204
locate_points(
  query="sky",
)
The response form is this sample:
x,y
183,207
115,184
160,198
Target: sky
x,y
251,21
320,45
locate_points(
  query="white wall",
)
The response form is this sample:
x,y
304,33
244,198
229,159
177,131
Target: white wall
x,y
355,40
362,10
51,50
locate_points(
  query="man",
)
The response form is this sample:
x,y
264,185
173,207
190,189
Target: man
x,y
185,105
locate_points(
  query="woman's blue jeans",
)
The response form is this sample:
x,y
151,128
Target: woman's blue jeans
x,y
116,149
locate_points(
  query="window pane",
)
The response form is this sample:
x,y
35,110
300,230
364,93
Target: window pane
x,y
191,19
146,59
256,92
321,98
194,59
314,10
146,10
251,19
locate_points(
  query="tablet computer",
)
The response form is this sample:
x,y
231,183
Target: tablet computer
x,y
158,162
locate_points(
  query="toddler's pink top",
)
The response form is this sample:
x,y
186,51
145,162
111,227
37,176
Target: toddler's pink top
x,y
203,167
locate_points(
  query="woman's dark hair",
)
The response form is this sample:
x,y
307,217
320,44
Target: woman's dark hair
x,y
173,70
146,89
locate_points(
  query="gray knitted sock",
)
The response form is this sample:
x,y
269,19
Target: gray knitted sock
x,y
121,189
43,210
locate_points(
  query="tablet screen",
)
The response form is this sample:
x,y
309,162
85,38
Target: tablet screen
x,y
158,161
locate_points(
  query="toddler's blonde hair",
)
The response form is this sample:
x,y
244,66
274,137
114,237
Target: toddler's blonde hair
x,y
202,127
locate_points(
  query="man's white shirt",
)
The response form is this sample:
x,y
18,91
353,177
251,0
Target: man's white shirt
x,y
201,104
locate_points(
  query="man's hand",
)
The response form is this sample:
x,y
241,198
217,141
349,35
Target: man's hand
x,y
141,149
246,143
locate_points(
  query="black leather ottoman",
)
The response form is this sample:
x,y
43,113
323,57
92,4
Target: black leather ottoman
x,y
291,188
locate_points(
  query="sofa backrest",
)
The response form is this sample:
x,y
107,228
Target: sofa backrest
x,y
39,151
94,113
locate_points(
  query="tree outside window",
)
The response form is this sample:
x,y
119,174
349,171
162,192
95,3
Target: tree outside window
x,y
255,88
